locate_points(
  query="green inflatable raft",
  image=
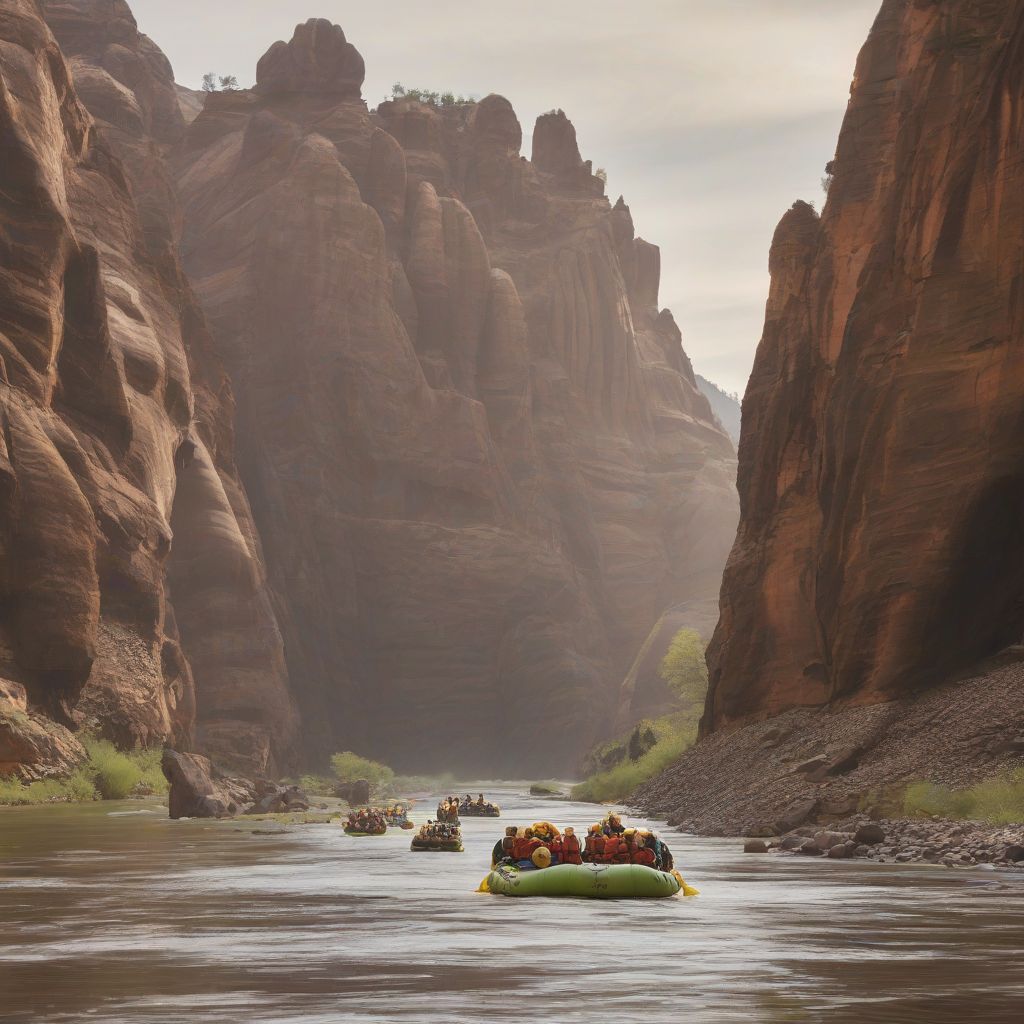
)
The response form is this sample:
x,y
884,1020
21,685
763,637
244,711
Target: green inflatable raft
x,y
594,881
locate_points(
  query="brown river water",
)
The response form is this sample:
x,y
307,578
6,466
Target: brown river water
x,y
113,913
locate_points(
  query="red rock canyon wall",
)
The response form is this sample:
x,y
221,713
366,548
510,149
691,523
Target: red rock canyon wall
x,y
411,447
881,471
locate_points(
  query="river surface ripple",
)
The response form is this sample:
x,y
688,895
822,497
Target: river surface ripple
x,y
111,916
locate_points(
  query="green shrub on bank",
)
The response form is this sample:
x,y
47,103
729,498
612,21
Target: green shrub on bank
x,y
113,773
685,669
316,785
999,800
107,774
633,746
925,799
77,788
350,767
675,733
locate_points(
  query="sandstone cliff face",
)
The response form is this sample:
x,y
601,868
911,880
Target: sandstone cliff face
x,y
882,459
114,422
474,447
468,466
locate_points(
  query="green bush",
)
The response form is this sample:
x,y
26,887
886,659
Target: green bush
x,y
685,670
675,735
632,747
349,767
107,774
114,774
151,776
999,800
76,788
316,785
924,799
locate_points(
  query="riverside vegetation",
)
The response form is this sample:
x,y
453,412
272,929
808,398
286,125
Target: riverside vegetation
x,y
106,774
997,801
619,766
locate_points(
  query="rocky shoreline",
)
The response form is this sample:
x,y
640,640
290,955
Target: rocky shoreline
x,y
198,789
939,841
818,766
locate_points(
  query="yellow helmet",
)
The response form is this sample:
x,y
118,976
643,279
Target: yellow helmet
x,y
541,857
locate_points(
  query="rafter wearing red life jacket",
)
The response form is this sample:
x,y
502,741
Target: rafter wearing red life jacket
x,y
615,850
557,847
643,854
571,848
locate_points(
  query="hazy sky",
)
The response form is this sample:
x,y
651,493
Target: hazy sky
x,y
710,116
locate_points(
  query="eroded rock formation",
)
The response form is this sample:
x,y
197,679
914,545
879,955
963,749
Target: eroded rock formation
x,y
881,467
474,446
110,406
419,452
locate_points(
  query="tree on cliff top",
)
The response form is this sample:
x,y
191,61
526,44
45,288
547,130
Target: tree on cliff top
x,y
434,99
684,669
216,83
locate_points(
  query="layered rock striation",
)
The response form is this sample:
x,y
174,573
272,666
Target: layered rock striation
x,y
310,405
474,446
115,425
881,464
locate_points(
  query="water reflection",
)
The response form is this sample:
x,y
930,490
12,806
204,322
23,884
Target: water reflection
x,y
119,917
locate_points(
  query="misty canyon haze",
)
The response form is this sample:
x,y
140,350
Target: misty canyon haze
x,y
325,426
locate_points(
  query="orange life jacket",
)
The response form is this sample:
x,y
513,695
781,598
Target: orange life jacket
x,y
525,848
616,851
644,856
571,847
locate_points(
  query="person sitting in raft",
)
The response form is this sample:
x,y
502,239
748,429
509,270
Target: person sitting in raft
x,y
480,801
654,844
613,825
593,846
570,847
615,850
557,847
642,853
525,847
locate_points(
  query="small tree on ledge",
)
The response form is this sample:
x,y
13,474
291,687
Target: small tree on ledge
x,y
213,82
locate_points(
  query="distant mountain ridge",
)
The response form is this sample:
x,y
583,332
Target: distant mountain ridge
x,y
725,406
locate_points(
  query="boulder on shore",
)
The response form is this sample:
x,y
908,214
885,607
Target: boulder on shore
x,y
199,790
870,834
274,799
